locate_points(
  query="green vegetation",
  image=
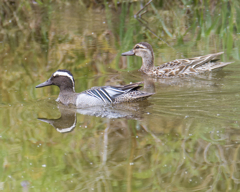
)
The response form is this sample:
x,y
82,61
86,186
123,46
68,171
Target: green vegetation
x,y
163,151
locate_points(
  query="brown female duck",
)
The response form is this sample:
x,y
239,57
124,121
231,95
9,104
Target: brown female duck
x,y
175,68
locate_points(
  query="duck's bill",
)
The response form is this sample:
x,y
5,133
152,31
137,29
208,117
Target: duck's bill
x,y
45,120
46,83
129,53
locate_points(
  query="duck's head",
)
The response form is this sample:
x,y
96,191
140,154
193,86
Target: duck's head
x,y
145,51
141,49
61,78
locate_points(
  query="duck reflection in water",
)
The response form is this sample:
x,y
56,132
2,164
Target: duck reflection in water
x,y
68,120
66,123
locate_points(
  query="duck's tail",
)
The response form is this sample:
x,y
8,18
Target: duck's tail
x,y
208,62
219,65
133,96
203,63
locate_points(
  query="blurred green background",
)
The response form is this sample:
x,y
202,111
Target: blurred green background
x,y
185,139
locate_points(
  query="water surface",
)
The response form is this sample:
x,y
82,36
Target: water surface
x,y
184,138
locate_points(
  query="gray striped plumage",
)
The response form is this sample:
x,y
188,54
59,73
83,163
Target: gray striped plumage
x,y
95,96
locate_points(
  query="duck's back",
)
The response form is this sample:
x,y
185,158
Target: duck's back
x,y
111,95
183,67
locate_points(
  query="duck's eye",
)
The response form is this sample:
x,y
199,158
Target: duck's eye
x,y
137,47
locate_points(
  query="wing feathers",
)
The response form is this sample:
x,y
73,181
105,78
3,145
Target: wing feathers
x,y
107,94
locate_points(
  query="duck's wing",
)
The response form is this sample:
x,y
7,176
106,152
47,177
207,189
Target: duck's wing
x,y
107,94
193,65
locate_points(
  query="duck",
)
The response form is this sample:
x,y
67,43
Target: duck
x,y
175,68
96,96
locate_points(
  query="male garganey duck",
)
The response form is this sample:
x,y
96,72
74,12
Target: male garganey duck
x,y
178,67
95,96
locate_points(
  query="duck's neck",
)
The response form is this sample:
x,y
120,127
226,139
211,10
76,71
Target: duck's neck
x,y
66,96
66,89
147,63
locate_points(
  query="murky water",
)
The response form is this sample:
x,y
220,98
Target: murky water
x,y
184,138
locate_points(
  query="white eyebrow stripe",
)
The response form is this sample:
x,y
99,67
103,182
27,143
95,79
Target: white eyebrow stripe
x,y
141,46
62,73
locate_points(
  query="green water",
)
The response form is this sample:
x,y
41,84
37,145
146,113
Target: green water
x,y
184,138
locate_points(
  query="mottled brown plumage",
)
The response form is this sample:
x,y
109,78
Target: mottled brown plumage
x,y
175,68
